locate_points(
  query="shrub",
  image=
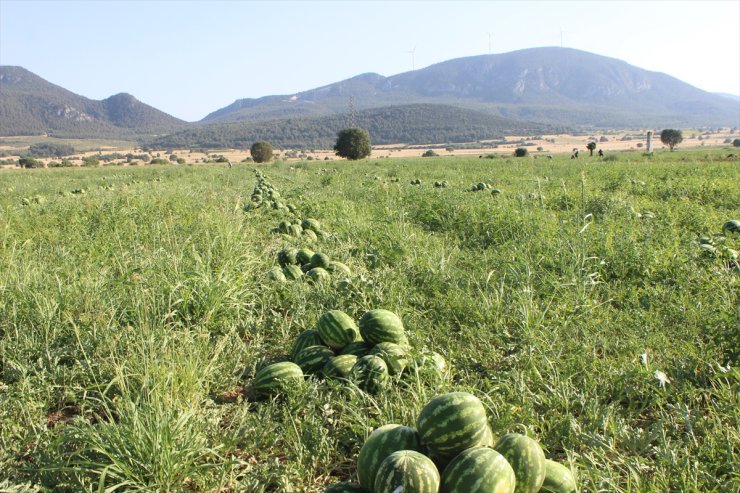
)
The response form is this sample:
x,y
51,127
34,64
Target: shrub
x,y
90,161
521,152
353,143
736,143
180,160
50,150
29,162
430,153
671,137
159,160
261,152
603,138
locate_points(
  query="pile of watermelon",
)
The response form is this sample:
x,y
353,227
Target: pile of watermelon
x,y
309,229
265,195
371,353
297,262
452,450
441,184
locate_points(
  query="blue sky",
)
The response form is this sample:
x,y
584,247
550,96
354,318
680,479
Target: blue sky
x,y
189,58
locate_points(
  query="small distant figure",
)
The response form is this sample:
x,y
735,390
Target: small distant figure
x,y
549,157
601,153
230,165
574,155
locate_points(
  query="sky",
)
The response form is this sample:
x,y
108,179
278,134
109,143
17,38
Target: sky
x,y
189,58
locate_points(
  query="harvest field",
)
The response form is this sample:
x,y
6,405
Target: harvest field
x,y
578,304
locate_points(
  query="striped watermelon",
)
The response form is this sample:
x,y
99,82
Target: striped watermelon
x,y
558,478
276,274
320,260
306,267
309,235
276,378
283,226
345,488
442,460
313,358
358,348
338,268
526,458
478,470
380,444
395,356
370,373
305,339
428,365
731,226
382,326
339,366
295,230
311,224
337,329
304,255
292,272
318,275
407,471
451,423
287,256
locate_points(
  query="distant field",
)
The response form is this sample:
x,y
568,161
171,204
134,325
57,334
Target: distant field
x,y
577,304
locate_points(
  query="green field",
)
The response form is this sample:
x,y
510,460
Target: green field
x,y
132,314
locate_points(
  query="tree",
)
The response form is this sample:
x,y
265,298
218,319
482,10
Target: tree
x,y
520,152
261,152
591,146
736,142
671,137
353,143
430,153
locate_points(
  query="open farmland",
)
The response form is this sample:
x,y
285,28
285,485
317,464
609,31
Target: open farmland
x,y
577,304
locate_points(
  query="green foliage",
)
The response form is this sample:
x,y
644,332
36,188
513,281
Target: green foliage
x,y
521,152
49,149
353,143
261,151
736,143
430,153
591,146
159,160
671,137
29,162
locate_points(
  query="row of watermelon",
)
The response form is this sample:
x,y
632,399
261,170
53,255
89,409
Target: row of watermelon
x,y
295,262
452,450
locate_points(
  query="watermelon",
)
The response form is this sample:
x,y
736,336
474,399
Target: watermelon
x,y
345,488
495,191
311,224
407,471
526,458
339,366
370,373
313,358
558,479
309,235
428,364
478,470
443,460
291,207
338,268
380,444
382,326
283,226
317,275
319,260
276,378
731,226
305,339
395,356
358,348
295,230
276,274
287,256
292,272
451,423
306,267
337,329
304,255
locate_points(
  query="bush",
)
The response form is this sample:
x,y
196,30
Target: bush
x,y
29,162
736,143
50,150
430,153
90,161
603,138
521,152
180,160
671,137
261,152
159,160
353,143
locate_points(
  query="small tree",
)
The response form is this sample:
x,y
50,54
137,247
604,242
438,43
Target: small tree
x,y
671,137
520,152
261,152
353,143
591,146
736,142
430,153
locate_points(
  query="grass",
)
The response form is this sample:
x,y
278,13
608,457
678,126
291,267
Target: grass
x,y
127,314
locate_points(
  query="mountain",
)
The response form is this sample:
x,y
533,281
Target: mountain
x,y
411,124
554,85
726,95
29,105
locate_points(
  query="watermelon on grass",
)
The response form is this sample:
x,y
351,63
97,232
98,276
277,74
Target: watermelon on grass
x,y
313,358
311,224
292,272
339,366
381,325
380,444
478,470
558,478
276,274
338,268
526,458
305,339
451,423
358,348
394,355
370,373
337,329
407,471
320,260
287,256
303,255
276,378
345,488
318,275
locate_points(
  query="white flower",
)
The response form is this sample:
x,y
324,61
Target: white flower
x,y
662,378
643,358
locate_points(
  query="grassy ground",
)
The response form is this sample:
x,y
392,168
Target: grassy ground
x,y
129,315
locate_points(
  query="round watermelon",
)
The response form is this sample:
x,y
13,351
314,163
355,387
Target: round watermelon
x,y
320,260
478,470
558,479
276,274
358,348
303,255
305,339
276,378
394,355
339,366
382,326
284,226
287,256
345,488
295,230
731,226
292,272
337,329
338,268
311,224
370,373
318,275
310,235
526,458
407,471
451,423
313,358
380,444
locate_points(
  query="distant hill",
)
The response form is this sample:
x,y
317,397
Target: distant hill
x,y
554,85
29,105
412,124
733,97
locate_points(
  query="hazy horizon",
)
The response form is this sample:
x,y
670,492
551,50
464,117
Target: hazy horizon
x,y
190,58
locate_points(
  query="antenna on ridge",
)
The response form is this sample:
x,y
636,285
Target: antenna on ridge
x,y
413,65
561,35
490,45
